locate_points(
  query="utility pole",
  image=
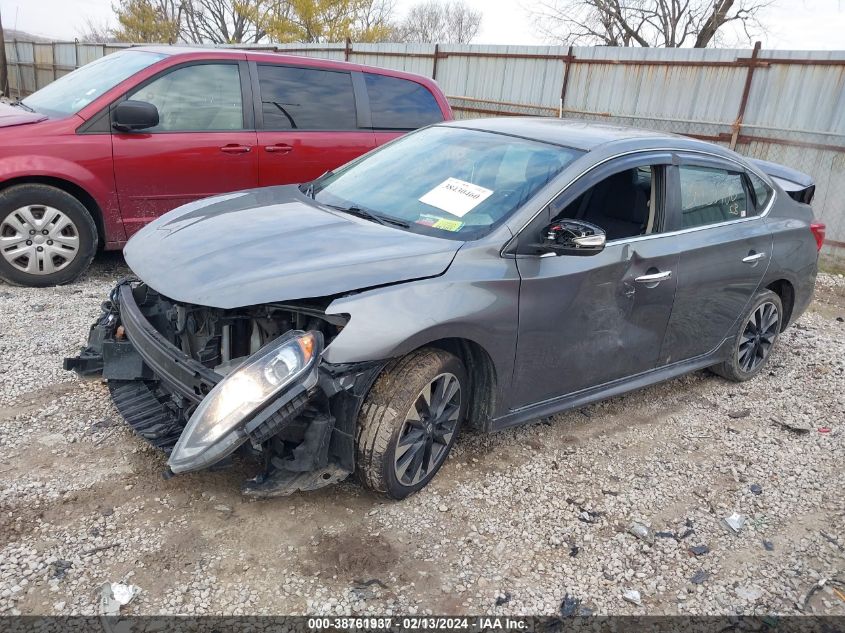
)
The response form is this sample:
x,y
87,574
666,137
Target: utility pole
x,y
4,70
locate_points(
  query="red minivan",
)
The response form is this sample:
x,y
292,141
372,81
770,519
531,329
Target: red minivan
x,y
89,159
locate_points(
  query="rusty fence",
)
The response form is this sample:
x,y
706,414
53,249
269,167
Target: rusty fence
x,y
783,106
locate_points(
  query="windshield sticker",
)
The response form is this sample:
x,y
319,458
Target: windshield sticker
x,y
448,225
457,197
439,223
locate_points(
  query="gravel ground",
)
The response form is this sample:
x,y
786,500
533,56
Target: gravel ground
x,y
514,523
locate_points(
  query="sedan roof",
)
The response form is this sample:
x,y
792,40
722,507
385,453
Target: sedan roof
x,y
575,133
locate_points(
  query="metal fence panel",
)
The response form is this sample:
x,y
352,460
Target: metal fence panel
x,y
411,58
658,86
65,55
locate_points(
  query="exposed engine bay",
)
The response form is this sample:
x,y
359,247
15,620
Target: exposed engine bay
x,y
202,383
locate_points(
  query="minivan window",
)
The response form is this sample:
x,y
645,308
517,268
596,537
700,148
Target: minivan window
x,y
445,181
711,195
72,92
201,97
399,104
306,99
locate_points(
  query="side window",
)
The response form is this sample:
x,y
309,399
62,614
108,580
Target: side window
x,y
624,204
306,99
196,98
398,104
711,195
762,193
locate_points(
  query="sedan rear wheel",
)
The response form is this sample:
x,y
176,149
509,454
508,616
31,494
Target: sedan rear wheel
x,y
47,237
409,422
757,334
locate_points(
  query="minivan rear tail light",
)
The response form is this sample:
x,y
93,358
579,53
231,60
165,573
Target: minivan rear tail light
x,y
818,229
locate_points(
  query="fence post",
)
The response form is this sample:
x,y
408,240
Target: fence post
x,y
20,94
53,60
566,64
745,92
347,50
4,69
434,65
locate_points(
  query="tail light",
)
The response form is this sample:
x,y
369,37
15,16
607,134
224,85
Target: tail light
x,y
818,229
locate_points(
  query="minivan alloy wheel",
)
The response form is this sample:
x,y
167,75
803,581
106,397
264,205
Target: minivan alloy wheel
x,y
759,335
427,430
38,239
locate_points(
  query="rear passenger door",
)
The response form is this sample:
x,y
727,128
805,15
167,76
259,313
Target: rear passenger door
x,y
398,106
308,122
725,251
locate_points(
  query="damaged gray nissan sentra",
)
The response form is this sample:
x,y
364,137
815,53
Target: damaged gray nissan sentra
x,y
484,273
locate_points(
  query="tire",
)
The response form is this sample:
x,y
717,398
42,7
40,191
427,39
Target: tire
x,y
34,216
755,338
387,421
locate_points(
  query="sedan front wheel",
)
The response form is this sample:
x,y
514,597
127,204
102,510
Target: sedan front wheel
x,y
409,422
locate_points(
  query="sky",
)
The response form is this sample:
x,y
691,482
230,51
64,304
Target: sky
x,y
791,24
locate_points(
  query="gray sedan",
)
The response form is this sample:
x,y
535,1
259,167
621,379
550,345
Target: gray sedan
x,y
482,273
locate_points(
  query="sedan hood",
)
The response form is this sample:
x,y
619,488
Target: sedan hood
x,y
11,115
274,244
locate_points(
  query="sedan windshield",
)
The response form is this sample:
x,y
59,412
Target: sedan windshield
x,y
445,181
69,94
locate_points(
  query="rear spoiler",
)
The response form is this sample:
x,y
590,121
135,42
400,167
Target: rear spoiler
x,y
797,185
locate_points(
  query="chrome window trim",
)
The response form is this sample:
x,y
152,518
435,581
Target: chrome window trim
x,y
637,238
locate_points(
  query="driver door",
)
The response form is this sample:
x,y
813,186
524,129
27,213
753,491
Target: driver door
x,y
585,321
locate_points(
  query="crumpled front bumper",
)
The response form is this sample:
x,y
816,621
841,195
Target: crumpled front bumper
x,y
156,386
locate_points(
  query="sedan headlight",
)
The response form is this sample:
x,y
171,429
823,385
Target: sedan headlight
x,y
216,428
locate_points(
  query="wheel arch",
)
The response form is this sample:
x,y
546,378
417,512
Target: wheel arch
x,y
482,375
70,188
784,289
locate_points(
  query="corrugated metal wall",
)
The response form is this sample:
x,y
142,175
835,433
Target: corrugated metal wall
x,y
783,106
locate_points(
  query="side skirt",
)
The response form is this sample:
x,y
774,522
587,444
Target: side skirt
x,y
534,412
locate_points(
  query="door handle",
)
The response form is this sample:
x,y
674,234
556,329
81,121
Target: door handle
x,y
234,148
278,148
753,258
654,278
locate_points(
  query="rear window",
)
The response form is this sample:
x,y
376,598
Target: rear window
x,y
399,104
306,99
711,195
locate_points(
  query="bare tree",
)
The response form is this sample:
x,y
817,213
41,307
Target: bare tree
x,y
95,31
374,21
225,21
435,21
668,23
463,23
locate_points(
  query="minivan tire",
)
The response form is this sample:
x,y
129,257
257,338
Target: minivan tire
x,y
383,421
734,368
82,227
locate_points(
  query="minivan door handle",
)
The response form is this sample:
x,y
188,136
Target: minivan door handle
x,y
654,278
278,148
234,148
754,257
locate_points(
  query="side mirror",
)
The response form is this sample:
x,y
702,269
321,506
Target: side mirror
x,y
134,116
572,237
